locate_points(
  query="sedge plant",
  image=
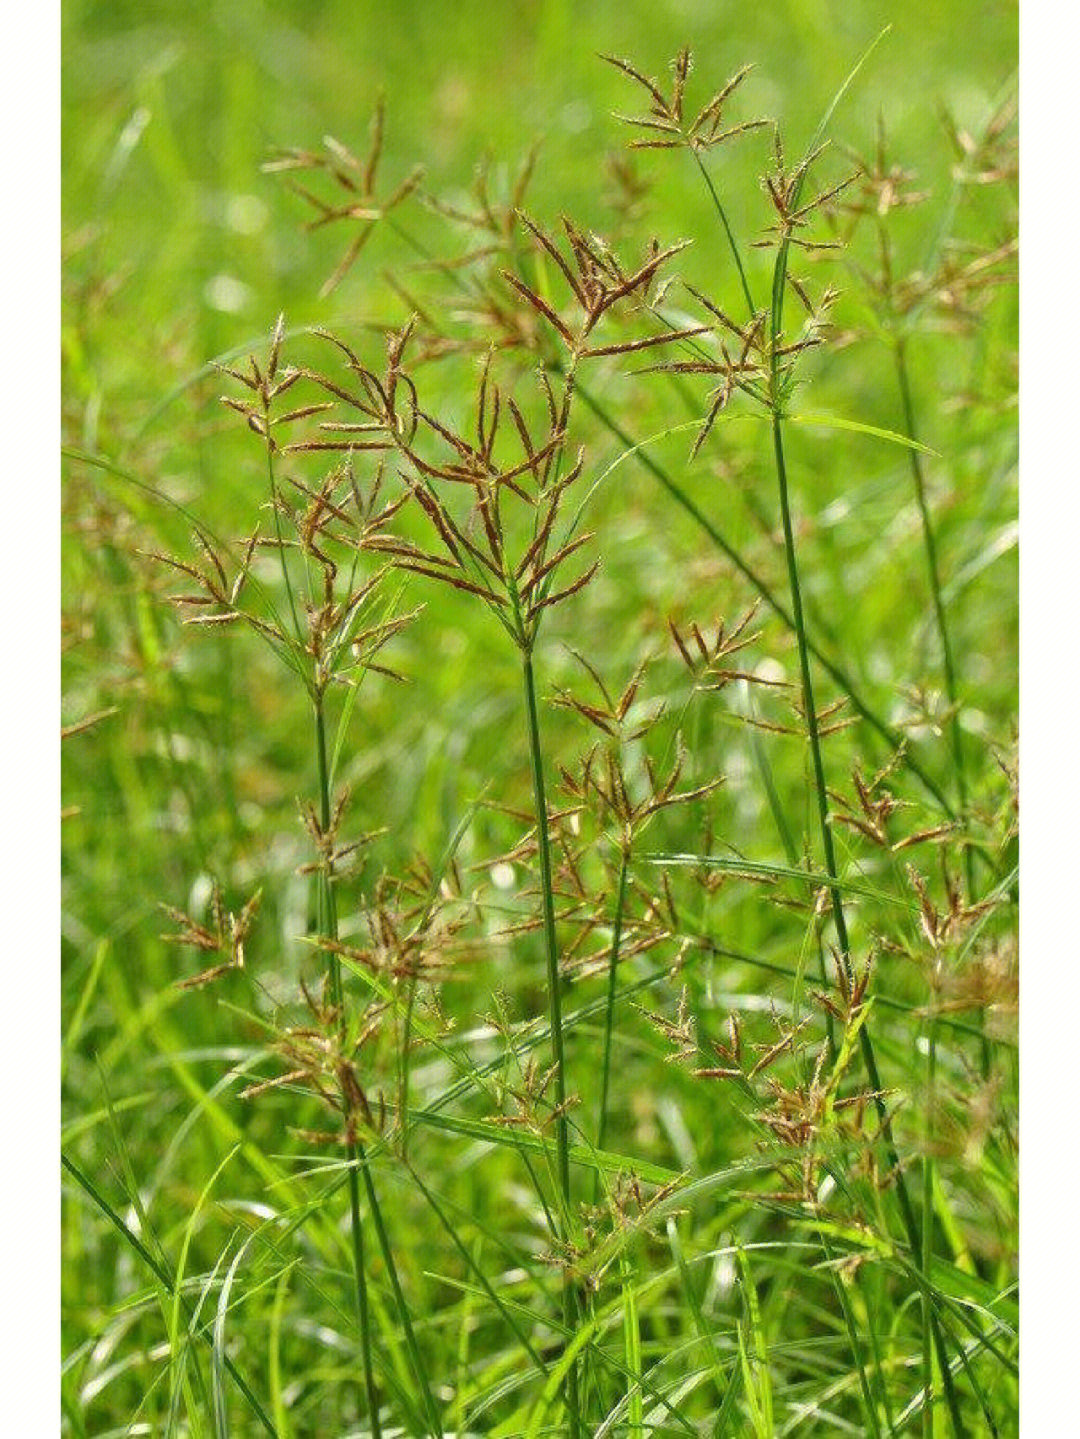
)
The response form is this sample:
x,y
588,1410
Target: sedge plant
x,y
748,1127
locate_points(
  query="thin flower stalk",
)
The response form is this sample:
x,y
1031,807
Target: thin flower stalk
x,y
558,1052
328,926
335,639
518,590
789,189
775,361
882,188
934,571
609,1007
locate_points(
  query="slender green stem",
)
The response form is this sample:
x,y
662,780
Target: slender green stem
x,y
861,1283
609,1012
415,1361
866,1047
843,1299
928,1216
551,949
277,525
830,1035
327,899
512,1322
820,790
363,1318
948,662
554,979
329,927
907,1212
721,212
630,1322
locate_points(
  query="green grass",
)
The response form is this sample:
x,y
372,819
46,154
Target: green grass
x,y
497,1184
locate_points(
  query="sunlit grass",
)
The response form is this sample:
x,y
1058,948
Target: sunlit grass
x,y
539,910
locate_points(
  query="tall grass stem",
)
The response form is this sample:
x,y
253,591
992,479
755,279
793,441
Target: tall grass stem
x,y
329,927
722,214
866,1047
928,1221
609,1011
554,981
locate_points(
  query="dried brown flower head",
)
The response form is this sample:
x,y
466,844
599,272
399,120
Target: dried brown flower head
x,y
666,125
355,181
226,934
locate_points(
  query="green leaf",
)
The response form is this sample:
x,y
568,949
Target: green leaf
x,y
582,1154
839,422
219,1358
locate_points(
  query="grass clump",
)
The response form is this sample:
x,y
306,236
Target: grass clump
x,y
622,1040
